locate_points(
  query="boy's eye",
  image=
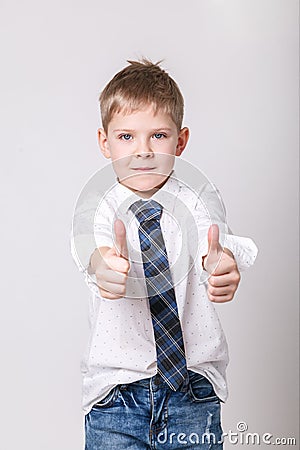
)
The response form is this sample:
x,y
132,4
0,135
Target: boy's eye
x,y
159,135
126,137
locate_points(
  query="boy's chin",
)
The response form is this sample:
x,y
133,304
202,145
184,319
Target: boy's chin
x,y
145,185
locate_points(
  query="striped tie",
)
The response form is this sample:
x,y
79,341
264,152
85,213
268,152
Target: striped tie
x,y
171,362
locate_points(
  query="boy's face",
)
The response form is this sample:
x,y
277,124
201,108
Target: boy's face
x,y
142,147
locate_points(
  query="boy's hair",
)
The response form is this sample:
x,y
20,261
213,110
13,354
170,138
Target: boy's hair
x,y
140,84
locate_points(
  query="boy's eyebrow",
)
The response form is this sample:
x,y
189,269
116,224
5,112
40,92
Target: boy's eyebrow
x,y
154,129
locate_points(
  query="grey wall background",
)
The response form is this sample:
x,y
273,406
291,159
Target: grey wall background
x,y
236,62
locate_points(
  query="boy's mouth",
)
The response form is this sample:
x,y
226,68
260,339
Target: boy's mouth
x,y
143,168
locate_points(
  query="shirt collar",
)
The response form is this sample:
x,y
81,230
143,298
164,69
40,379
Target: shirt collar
x,y
166,195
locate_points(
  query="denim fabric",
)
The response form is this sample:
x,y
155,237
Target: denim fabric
x,y
147,415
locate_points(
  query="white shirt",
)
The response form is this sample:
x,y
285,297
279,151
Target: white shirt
x,y
121,348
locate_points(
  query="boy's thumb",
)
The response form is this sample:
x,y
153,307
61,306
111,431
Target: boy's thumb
x,y
120,239
213,238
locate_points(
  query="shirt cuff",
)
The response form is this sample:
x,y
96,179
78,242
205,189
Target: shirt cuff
x,y
82,248
243,248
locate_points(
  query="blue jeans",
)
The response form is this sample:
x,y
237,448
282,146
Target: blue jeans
x,y
148,415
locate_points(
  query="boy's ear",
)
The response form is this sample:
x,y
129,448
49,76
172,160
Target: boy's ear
x,y
103,143
183,138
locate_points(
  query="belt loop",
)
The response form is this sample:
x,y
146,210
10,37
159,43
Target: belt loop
x,y
185,384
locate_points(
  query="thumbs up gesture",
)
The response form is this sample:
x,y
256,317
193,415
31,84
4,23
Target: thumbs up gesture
x,y
220,263
111,265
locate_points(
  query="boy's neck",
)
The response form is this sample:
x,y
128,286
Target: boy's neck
x,y
147,194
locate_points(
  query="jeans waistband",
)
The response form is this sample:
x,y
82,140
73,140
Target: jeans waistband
x,y
157,382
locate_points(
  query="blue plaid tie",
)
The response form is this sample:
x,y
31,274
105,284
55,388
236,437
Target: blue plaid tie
x,y
171,362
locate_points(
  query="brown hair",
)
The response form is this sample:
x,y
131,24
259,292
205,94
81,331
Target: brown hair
x,y
137,85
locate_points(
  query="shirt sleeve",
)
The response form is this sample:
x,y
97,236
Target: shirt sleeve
x,y
91,229
90,279
209,210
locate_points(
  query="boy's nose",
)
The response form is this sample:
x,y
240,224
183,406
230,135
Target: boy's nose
x,y
144,155
143,149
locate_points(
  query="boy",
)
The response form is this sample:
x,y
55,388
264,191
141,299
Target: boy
x,y
154,372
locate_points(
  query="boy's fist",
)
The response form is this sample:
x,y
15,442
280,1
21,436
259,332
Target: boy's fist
x,y
112,270
220,263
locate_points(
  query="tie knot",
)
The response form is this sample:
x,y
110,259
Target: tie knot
x,y
146,210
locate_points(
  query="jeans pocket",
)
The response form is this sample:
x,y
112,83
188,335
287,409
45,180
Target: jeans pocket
x,y
201,390
109,399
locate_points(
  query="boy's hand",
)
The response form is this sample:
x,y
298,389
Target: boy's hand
x,y
112,268
221,264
